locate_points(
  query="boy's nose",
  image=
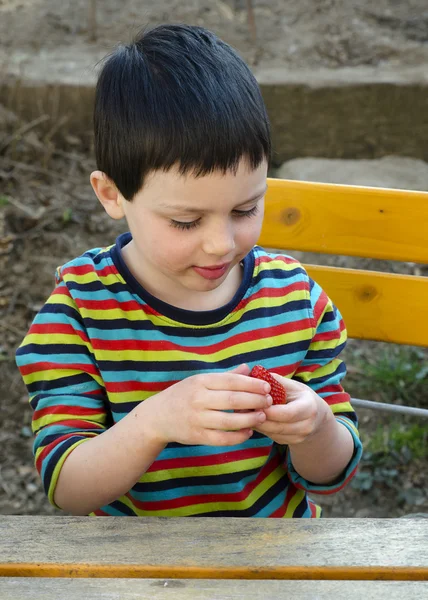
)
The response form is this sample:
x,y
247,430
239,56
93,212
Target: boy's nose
x,y
219,241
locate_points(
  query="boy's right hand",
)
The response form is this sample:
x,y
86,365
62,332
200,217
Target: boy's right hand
x,y
192,411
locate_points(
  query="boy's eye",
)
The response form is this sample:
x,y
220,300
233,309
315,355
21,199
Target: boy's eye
x,y
247,213
184,225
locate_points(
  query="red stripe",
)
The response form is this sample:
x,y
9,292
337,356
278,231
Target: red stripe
x,y
286,370
320,307
47,449
338,395
137,386
57,328
44,453
212,459
340,487
164,346
47,366
280,512
274,293
62,409
208,498
325,336
288,260
80,270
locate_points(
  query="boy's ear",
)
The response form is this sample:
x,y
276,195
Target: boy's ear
x,y
108,194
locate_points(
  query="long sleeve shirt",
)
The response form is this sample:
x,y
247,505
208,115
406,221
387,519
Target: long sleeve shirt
x,y
102,344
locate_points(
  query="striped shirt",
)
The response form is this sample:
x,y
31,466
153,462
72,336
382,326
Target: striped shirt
x,y
102,344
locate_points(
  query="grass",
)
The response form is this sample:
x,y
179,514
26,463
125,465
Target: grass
x,y
396,436
395,374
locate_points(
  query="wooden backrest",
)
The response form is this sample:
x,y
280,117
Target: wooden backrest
x,y
358,221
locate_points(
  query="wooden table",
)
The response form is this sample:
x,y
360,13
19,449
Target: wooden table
x,y
48,558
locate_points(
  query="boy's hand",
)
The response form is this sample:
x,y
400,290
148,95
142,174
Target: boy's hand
x,y
192,411
302,416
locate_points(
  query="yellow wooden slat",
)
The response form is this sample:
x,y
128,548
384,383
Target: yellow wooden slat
x,y
378,306
349,220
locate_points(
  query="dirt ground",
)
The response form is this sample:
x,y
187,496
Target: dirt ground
x,y
303,34
48,213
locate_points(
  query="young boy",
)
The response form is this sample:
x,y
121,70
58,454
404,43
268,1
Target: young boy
x,y
137,366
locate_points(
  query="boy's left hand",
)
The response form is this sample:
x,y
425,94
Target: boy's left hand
x,y
304,414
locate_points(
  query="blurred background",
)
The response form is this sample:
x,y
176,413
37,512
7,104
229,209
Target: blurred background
x,y
346,87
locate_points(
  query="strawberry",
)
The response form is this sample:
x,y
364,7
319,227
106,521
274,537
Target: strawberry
x,y
276,390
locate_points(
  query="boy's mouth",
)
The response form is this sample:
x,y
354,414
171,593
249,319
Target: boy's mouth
x,y
214,272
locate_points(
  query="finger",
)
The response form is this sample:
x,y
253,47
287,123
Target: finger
x,y
298,430
232,421
293,388
241,370
239,400
290,413
226,438
235,382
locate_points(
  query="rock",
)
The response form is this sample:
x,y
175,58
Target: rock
x,y
390,172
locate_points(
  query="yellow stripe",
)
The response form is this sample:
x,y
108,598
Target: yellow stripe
x,y
57,470
61,299
349,423
230,351
54,375
54,338
109,279
138,315
215,506
50,419
294,503
215,469
327,369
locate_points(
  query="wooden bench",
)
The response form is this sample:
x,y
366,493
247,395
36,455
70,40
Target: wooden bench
x,y
364,222
205,558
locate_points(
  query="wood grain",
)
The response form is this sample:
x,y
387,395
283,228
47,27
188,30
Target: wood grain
x,y
349,220
378,306
188,589
214,548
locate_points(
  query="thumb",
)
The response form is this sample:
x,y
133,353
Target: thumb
x,y
241,370
292,387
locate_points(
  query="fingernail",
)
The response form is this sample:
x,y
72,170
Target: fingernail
x,y
269,400
266,388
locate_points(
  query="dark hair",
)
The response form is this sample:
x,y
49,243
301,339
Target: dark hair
x,y
177,95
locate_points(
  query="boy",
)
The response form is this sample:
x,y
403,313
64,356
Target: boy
x,y
137,366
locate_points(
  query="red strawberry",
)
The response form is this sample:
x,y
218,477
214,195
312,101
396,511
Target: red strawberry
x,y
276,390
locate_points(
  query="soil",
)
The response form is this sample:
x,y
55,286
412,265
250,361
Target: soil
x,y
49,213
304,34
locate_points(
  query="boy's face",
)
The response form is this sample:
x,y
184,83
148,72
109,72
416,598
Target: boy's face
x,y
190,234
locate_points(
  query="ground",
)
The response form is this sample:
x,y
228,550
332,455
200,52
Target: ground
x,y
49,213
308,33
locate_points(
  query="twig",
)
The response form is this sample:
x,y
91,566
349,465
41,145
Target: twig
x,y
22,130
251,20
37,170
93,20
34,214
11,328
